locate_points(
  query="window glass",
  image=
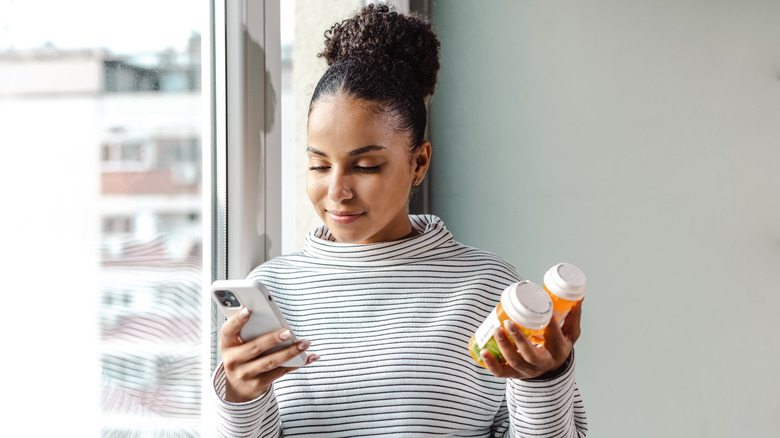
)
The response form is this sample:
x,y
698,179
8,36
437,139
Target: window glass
x,y
105,104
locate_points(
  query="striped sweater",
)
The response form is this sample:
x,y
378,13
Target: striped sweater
x,y
391,322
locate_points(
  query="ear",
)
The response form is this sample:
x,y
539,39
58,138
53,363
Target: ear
x,y
421,160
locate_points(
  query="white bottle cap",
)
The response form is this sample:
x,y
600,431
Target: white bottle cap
x,y
566,281
527,304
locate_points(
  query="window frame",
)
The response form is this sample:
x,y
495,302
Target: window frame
x,y
241,83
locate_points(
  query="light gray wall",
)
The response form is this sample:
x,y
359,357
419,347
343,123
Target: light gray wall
x,y
312,19
640,141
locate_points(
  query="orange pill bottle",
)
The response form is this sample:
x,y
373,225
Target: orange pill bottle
x,y
524,303
565,283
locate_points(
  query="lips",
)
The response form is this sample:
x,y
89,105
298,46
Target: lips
x,y
343,217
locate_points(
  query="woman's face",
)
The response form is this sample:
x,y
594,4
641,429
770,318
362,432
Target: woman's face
x,y
360,172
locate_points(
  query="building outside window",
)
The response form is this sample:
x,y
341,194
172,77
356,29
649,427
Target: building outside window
x,y
108,113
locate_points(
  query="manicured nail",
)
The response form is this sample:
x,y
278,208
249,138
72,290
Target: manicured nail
x,y
313,358
304,344
285,335
510,327
500,335
244,314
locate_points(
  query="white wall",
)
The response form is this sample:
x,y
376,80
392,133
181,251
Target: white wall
x,y
640,141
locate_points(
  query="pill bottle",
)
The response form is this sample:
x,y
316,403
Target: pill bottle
x,y
524,303
565,283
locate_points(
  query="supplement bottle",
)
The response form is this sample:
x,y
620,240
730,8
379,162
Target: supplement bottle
x,y
524,303
565,283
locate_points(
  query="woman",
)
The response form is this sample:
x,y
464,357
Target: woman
x,y
387,300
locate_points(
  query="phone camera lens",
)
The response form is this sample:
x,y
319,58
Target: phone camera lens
x,y
226,298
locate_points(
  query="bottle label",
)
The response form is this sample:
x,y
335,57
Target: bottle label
x,y
486,330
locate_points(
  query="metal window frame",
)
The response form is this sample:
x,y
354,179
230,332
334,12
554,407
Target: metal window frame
x,y
242,221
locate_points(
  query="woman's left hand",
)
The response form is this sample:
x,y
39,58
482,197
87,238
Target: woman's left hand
x,y
526,360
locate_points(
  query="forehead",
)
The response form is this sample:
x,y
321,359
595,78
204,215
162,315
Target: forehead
x,y
339,122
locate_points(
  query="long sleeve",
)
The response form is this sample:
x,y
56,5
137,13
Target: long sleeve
x,y
391,322
258,418
500,427
547,407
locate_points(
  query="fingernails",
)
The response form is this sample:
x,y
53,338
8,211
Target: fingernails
x,y
304,344
500,335
510,327
313,358
285,335
244,314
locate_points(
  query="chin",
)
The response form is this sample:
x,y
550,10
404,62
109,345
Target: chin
x,y
343,236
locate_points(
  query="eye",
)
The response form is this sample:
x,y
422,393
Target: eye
x,y
319,168
367,169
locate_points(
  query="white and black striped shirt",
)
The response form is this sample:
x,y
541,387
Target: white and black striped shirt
x,y
391,322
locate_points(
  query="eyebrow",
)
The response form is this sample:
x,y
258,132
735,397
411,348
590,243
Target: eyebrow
x,y
356,152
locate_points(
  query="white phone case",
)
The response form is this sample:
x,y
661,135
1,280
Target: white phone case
x,y
265,316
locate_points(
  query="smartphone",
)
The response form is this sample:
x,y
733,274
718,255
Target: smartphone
x,y
265,316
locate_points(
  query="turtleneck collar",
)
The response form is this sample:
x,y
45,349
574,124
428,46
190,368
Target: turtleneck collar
x,y
320,243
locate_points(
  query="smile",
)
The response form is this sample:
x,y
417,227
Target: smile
x,y
344,218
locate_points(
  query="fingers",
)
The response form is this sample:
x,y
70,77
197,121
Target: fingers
x,y
516,364
524,359
229,334
523,345
249,376
494,366
556,343
571,325
254,348
242,386
272,364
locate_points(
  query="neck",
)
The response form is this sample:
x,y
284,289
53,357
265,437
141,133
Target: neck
x,y
412,233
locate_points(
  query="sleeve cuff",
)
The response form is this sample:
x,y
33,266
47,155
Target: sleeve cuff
x,y
558,372
243,419
220,383
547,405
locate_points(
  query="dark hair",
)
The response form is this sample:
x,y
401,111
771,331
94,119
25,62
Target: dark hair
x,y
387,59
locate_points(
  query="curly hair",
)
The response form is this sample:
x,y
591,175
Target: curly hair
x,y
388,59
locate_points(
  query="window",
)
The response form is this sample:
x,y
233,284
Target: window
x,y
103,135
121,225
127,154
110,237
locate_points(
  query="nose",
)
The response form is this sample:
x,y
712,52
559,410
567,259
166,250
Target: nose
x,y
339,187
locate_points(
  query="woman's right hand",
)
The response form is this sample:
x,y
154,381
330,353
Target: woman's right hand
x,y
250,376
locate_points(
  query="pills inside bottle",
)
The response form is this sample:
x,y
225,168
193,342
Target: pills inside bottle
x,y
565,283
524,303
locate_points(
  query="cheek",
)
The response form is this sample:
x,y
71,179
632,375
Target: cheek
x,y
312,188
395,189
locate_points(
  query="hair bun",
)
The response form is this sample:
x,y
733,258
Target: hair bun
x,y
378,35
